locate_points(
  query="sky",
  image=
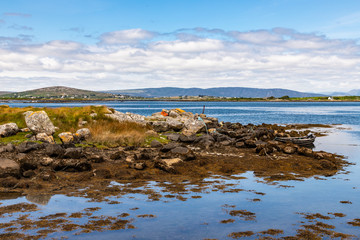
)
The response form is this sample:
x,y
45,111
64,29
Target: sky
x,y
302,45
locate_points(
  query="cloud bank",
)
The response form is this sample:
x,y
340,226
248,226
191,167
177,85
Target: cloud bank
x,y
137,58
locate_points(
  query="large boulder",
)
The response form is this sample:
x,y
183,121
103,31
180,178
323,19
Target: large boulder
x,y
160,126
193,126
39,122
9,168
174,124
8,129
83,134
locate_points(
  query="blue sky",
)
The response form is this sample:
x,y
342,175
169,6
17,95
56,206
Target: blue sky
x,y
114,44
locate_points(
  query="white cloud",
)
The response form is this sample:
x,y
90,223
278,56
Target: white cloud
x,y
278,58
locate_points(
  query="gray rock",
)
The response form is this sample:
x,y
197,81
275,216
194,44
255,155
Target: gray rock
x,y
131,117
187,139
172,136
39,122
160,126
26,147
54,150
43,137
169,146
193,126
184,153
8,129
250,143
83,134
71,165
174,124
74,153
9,168
66,137
156,144
7,148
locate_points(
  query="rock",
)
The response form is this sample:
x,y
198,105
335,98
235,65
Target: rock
x,y
173,114
184,153
172,136
131,117
71,165
54,150
119,155
7,148
9,168
289,150
239,144
83,134
47,176
147,154
26,147
93,115
102,173
66,137
226,143
205,140
74,153
95,158
43,137
169,146
174,124
156,144
8,129
168,164
160,126
46,161
28,174
82,123
194,126
305,151
39,122
187,139
137,165
250,143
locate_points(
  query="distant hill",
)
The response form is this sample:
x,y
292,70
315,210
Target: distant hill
x,y
215,92
4,92
58,92
354,92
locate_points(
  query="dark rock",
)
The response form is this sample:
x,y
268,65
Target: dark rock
x,y
184,153
74,153
169,146
289,150
240,145
155,144
9,168
54,150
68,145
71,165
129,148
146,154
28,174
172,136
250,143
119,155
26,147
187,139
7,148
205,141
28,163
95,158
102,173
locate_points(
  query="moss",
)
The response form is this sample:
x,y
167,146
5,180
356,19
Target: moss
x,y
15,139
161,138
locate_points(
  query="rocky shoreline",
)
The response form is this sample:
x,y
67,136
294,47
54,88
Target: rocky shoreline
x,y
197,147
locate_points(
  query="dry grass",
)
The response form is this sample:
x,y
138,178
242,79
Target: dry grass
x,y
113,133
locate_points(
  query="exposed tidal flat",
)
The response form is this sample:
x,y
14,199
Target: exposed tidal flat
x,y
221,205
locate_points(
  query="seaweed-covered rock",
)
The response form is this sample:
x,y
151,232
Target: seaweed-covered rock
x,y
9,168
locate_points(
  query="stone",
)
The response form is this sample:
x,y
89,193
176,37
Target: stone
x,y
39,122
119,155
250,143
289,150
239,144
72,165
102,173
305,151
93,115
172,136
54,150
194,126
9,168
169,146
74,153
160,126
66,137
8,129
184,153
186,138
43,137
156,144
26,147
174,124
28,174
168,165
205,140
95,158
131,117
46,161
82,123
137,165
83,134
7,148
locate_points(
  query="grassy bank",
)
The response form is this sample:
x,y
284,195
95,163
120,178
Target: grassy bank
x,y
105,131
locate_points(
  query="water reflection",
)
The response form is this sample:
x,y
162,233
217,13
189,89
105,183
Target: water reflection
x,y
42,199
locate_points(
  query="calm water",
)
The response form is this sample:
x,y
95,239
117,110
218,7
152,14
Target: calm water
x,y
278,208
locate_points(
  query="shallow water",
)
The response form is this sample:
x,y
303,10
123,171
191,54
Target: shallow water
x,y
199,218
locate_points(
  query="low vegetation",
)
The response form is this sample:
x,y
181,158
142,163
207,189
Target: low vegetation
x,y
105,131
